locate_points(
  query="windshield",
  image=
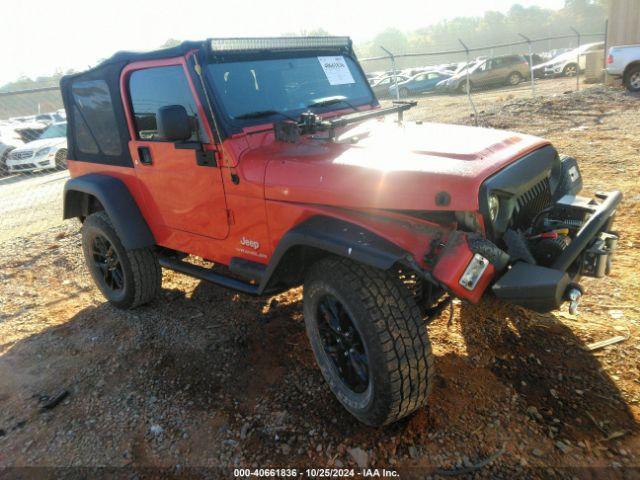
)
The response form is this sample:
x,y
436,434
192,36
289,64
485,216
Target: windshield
x,y
287,86
55,131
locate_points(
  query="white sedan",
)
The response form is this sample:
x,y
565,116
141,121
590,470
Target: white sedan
x,y
48,151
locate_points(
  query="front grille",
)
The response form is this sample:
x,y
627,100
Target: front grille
x,y
22,154
530,203
24,166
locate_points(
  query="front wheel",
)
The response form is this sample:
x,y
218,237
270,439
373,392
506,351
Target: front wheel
x,y
632,79
514,78
4,170
570,70
127,278
61,159
369,340
462,87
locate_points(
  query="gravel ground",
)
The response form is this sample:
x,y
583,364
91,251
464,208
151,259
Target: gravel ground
x,y
207,378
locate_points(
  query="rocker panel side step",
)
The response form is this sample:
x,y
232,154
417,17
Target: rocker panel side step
x,y
208,275
248,269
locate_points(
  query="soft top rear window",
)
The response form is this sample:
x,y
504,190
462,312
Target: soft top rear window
x,y
96,130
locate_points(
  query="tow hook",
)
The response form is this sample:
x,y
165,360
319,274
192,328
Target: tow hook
x,y
573,295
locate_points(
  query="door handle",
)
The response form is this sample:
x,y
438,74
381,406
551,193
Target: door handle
x,y
145,156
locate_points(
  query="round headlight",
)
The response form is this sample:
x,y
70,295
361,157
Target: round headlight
x,y
494,207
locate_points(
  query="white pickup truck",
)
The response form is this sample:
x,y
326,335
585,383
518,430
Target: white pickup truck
x,y
624,61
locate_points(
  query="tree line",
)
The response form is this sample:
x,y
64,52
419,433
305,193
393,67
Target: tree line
x,y
587,16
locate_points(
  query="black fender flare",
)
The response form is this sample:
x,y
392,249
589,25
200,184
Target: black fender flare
x,y
337,237
118,203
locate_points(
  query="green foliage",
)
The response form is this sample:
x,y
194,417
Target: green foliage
x,y
492,28
587,16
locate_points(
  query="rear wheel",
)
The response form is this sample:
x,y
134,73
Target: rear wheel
x,y
632,79
514,78
127,278
570,70
369,340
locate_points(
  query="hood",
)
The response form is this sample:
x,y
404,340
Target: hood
x,y
42,143
380,164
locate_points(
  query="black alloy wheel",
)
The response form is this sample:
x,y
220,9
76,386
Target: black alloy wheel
x,y
343,344
106,260
127,278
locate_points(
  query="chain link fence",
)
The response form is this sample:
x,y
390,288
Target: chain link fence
x,y
525,67
461,77
32,161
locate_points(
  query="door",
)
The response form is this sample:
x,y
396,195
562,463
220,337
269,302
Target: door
x,y
181,193
480,76
496,72
433,79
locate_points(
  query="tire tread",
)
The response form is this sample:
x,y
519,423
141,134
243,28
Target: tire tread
x,y
145,268
400,329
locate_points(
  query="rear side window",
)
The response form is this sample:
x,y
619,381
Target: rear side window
x,y
96,129
153,88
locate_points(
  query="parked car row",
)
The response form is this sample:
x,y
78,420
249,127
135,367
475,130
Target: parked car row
x,y
482,72
33,143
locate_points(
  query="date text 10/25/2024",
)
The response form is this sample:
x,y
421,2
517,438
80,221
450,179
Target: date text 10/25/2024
x,y
314,473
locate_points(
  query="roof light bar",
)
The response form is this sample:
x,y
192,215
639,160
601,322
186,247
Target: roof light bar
x,y
277,43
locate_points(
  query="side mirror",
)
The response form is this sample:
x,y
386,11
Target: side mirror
x,y
174,124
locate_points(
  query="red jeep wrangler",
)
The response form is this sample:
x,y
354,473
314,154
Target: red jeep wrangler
x,y
273,159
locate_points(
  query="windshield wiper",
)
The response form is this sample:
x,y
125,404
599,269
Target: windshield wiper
x,y
325,102
262,114
257,114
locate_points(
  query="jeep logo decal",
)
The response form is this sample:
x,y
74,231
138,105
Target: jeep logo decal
x,y
247,242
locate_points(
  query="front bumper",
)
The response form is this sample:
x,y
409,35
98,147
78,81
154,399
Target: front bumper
x,y
446,88
533,286
31,164
589,254
554,70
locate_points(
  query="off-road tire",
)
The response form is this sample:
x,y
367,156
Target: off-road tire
x,y
61,159
632,79
401,364
514,78
140,268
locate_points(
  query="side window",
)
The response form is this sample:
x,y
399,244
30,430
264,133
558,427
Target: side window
x,y
96,130
152,88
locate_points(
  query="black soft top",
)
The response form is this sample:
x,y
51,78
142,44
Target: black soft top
x,y
97,127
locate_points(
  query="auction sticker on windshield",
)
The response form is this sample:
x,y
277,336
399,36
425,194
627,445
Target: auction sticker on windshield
x,y
336,70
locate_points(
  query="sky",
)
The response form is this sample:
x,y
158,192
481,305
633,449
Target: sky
x,y
38,37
